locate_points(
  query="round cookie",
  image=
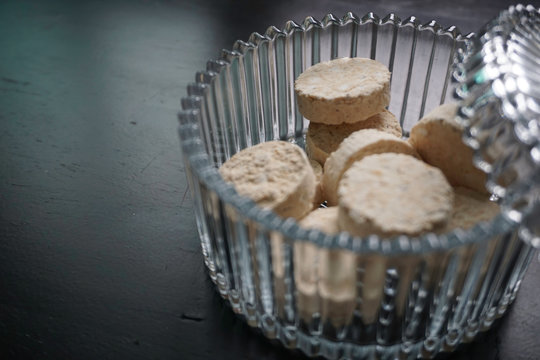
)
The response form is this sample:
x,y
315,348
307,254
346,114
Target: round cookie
x,y
345,90
437,138
323,219
306,264
393,194
332,272
318,171
470,208
322,139
276,175
355,147
307,259
337,285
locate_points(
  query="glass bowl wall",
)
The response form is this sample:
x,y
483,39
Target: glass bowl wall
x,y
337,296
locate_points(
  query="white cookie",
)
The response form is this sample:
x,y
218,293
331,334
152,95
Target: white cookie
x,y
337,285
323,219
393,194
437,138
355,147
307,259
345,90
322,139
277,175
470,208
325,278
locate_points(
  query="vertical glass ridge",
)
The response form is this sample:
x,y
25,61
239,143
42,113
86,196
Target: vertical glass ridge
x,y
405,98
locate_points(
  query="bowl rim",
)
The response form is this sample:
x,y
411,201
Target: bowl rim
x,y
198,160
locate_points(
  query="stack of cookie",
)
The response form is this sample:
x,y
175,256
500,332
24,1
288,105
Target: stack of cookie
x,y
377,183
374,182
357,160
406,192
340,97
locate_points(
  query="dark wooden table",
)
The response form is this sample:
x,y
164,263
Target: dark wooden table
x,y
99,256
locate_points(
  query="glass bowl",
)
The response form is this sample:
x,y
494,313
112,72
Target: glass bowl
x,y
499,81
338,296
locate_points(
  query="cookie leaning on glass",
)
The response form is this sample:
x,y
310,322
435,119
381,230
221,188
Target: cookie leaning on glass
x,y
276,175
324,281
437,138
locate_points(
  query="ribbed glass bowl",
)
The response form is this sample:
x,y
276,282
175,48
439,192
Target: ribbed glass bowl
x,y
338,296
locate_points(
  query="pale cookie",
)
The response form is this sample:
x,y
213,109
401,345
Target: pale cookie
x,y
276,175
307,259
470,208
337,285
323,219
371,285
437,138
331,272
318,171
322,139
345,90
393,194
355,147
306,264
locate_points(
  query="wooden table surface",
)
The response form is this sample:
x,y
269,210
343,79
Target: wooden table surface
x,y
99,256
